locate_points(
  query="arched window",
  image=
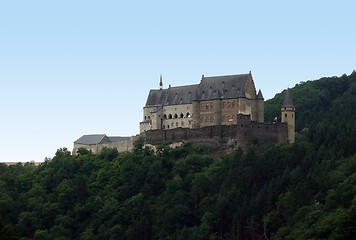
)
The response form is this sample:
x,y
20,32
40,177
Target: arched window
x,y
170,116
211,119
175,116
164,127
207,106
145,118
168,126
165,116
181,115
148,117
182,123
188,115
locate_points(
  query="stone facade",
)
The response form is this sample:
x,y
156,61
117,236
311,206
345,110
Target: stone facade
x,y
221,111
215,101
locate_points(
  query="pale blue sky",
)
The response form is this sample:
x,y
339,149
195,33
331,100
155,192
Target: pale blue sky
x,y
69,68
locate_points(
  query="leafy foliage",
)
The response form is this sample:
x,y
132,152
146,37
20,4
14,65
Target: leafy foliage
x,y
278,191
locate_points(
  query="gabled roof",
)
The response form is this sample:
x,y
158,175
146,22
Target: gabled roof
x,y
156,97
172,96
181,95
222,87
287,100
93,139
219,87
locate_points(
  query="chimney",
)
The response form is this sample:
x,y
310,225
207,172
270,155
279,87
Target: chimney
x,y
202,76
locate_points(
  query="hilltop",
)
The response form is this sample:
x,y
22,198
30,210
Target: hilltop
x,y
304,190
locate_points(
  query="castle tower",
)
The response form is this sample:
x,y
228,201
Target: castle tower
x,y
288,116
260,107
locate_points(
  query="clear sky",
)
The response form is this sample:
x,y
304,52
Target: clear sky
x,y
69,68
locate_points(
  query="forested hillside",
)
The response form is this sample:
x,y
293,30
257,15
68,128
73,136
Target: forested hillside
x,y
277,191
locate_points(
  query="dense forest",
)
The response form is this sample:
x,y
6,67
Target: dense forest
x,y
276,191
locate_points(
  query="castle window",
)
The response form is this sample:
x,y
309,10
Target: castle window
x,y
182,123
181,115
223,104
172,124
188,115
292,115
165,116
211,106
190,123
228,105
167,126
211,119
170,116
206,119
285,115
176,124
175,116
145,117
148,117
164,127
202,107
207,106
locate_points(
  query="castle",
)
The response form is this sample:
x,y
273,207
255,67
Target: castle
x,y
221,110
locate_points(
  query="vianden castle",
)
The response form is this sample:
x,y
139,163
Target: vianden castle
x,y
222,111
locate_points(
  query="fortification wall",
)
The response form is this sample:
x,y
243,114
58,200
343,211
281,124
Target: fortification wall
x,y
243,134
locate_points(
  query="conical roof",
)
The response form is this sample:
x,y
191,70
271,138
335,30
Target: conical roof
x,y
287,100
259,95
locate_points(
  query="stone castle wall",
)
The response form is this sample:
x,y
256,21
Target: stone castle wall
x,y
242,134
122,146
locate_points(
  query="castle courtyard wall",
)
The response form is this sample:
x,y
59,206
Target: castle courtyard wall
x,y
243,134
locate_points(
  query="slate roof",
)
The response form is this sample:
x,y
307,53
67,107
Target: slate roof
x,y
172,96
287,100
156,97
93,139
222,87
219,87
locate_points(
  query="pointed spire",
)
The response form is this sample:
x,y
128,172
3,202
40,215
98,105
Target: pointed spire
x,y
160,82
259,95
287,100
